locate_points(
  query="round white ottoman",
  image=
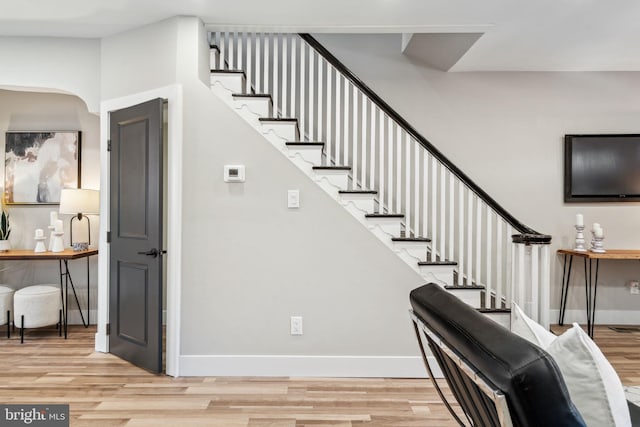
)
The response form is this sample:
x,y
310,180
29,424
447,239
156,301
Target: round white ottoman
x,y
37,306
6,305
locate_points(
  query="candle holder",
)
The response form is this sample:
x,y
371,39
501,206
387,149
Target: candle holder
x,y
57,245
40,247
597,245
580,239
52,228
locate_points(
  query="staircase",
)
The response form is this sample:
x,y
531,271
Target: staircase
x,y
381,170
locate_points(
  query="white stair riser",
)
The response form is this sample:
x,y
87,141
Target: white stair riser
x,y
443,274
470,296
233,82
339,179
258,106
415,249
364,202
502,318
288,131
390,226
311,154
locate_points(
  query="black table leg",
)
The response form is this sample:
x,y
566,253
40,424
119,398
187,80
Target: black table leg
x,y
88,297
68,279
593,285
587,292
566,277
63,300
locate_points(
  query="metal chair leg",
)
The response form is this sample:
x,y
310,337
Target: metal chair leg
x,y
60,323
8,324
22,329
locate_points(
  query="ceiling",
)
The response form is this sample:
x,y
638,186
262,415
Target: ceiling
x,y
516,35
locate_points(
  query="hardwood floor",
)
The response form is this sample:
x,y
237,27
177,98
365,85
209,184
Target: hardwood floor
x,y
103,390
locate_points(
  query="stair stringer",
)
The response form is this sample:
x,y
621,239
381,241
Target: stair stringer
x,y
251,117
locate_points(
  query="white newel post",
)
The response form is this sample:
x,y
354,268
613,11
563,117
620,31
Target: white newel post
x,y
532,275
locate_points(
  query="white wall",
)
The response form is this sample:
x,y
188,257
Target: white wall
x,y
265,262
139,60
32,111
505,130
65,65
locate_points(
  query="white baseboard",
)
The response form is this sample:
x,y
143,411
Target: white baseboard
x,y
603,317
306,366
102,342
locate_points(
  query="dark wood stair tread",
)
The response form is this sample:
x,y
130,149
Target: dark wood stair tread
x,y
494,310
411,239
305,144
278,119
437,263
251,95
379,215
336,168
357,192
216,71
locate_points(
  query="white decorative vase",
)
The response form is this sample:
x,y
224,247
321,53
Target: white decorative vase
x,y
4,245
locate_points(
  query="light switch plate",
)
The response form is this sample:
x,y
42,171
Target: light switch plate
x,y
296,325
293,199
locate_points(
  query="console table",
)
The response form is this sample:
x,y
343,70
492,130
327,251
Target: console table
x,y
590,277
65,276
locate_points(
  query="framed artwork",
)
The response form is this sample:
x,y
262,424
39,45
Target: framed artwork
x,y
37,165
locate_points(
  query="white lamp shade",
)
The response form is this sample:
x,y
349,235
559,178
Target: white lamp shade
x,y
76,200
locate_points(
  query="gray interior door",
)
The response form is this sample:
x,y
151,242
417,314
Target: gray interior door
x,y
135,260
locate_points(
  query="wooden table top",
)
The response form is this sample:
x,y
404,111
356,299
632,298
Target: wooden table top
x,y
29,254
609,254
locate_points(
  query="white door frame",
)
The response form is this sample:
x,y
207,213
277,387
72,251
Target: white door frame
x,y
173,95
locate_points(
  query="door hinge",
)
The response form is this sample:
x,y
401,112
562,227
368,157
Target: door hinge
x,y
108,237
108,144
108,328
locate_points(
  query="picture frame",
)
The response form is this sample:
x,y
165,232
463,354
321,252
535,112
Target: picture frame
x,y
37,165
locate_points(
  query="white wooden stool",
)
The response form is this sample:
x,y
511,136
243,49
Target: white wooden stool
x,y
37,306
6,305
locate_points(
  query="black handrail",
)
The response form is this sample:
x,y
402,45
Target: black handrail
x,y
539,237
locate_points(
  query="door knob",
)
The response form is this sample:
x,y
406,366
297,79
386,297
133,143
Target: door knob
x,y
152,253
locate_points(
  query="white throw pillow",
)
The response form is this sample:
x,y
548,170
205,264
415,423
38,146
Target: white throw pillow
x,y
593,384
528,329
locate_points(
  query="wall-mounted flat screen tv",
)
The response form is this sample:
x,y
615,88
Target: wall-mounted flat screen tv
x,y
602,168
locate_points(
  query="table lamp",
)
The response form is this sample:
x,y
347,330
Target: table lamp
x,y
79,203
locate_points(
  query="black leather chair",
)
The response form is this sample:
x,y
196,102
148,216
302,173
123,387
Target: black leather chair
x,y
498,378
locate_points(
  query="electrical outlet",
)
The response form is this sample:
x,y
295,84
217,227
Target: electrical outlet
x,y
634,287
296,325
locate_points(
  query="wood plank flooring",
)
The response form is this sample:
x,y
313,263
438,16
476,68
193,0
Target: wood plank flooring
x,y
105,391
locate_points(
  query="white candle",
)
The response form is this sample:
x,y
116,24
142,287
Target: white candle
x,y
39,233
595,226
579,220
53,218
598,232
58,226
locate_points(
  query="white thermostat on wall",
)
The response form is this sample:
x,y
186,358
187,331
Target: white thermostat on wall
x,y
234,173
